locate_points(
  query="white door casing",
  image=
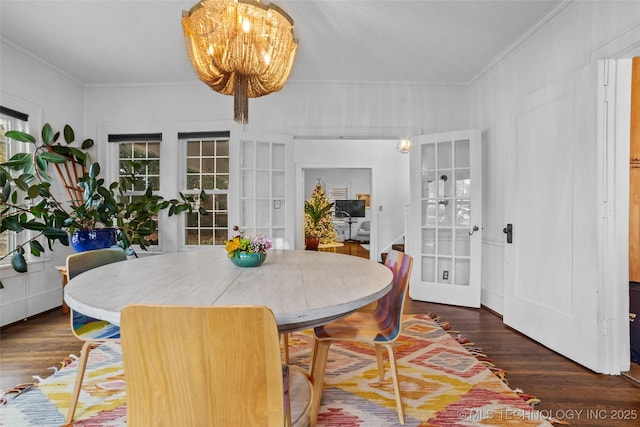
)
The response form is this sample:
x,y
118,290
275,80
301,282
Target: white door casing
x,y
445,224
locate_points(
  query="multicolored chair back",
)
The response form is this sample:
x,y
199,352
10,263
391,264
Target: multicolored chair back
x,y
86,327
91,331
380,327
390,307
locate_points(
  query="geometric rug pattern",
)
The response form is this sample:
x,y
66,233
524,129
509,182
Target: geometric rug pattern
x,y
442,384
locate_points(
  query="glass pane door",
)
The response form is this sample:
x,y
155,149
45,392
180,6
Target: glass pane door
x,y
443,235
446,200
262,202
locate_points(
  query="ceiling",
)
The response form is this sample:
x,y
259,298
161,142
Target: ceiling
x,y
117,42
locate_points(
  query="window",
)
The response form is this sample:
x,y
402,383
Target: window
x,y
207,169
143,149
10,120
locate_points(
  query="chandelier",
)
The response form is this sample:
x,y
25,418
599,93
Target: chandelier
x,y
242,48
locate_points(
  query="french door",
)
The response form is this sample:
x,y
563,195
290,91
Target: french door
x,y
261,202
445,228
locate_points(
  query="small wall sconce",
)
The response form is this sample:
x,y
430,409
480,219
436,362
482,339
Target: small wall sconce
x,y
404,145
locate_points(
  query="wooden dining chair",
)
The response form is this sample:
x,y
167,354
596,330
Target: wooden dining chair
x,y
91,331
380,327
209,366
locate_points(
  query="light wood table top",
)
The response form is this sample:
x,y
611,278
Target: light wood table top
x,y
303,288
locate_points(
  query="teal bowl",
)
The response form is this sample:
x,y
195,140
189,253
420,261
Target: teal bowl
x,y
243,259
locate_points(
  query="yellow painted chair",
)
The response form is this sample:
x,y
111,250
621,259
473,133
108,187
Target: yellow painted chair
x,y
209,366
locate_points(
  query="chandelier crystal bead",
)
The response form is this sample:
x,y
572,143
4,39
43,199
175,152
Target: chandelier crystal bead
x,y
242,48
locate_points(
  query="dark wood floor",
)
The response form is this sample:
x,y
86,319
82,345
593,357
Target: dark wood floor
x,y
566,390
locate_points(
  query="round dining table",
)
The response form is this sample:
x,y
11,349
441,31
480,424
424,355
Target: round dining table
x,y
304,289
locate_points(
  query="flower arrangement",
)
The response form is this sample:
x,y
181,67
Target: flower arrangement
x,y
247,244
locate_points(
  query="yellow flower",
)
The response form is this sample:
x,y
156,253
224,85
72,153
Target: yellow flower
x,y
233,245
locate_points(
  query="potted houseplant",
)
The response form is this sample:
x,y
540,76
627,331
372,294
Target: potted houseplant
x,y
28,201
317,221
247,251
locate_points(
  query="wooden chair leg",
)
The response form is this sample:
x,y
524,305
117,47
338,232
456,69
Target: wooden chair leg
x,y
321,351
396,382
312,363
285,347
82,365
380,361
287,397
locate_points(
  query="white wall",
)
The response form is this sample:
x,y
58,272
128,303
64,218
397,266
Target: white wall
x,y
331,110
31,87
579,34
356,180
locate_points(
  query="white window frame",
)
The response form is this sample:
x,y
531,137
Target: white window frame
x,y
111,173
11,123
196,191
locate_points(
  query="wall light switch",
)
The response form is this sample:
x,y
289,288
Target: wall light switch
x,y
277,204
380,208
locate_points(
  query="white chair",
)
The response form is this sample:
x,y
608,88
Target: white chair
x,y
280,243
364,232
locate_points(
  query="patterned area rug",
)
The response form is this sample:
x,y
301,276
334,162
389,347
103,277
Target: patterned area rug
x,y
443,383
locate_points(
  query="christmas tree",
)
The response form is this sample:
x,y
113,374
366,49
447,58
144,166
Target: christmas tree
x,y
317,216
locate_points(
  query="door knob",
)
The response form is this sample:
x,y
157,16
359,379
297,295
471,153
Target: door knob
x,y
475,228
508,230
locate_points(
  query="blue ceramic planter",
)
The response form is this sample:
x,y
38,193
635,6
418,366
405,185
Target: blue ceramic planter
x,y
243,259
88,240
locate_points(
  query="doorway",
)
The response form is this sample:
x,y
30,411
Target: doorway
x,y
345,183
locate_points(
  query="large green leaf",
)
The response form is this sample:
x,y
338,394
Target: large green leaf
x,y
80,155
36,247
29,168
45,176
53,157
6,190
87,143
18,262
69,135
94,170
32,225
42,163
18,160
47,134
53,233
20,136
33,192
11,223
21,184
